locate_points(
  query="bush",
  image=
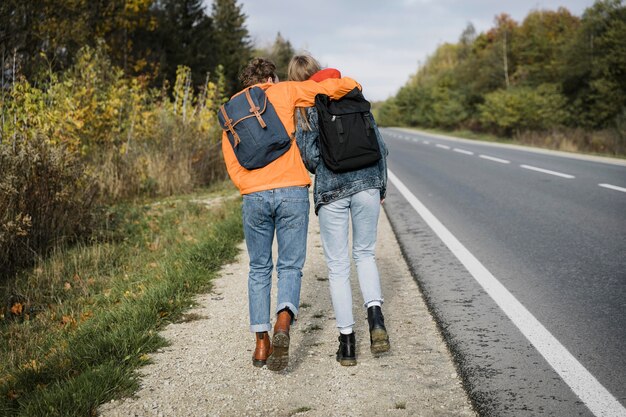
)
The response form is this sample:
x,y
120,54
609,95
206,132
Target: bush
x,y
92,128
523,108
46,199
606,142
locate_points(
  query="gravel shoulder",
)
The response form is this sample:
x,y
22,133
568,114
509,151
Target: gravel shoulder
x,y
207,369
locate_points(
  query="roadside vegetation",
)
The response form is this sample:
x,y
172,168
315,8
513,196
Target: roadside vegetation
x,y
80,321
554,80
108,136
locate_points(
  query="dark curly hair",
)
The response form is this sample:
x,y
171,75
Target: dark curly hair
x,y
257,71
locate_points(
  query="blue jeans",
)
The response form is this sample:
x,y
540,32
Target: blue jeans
x,y
334,218
286,212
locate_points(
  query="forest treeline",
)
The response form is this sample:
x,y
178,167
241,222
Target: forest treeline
x,y
554,80
103,101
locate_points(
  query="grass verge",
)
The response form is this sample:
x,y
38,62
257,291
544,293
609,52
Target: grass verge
x,y
574,141
78,324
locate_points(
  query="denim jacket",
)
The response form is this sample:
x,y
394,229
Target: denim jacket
x,y
330,186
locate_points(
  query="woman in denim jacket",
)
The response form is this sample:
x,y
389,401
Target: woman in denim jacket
x,y
339,197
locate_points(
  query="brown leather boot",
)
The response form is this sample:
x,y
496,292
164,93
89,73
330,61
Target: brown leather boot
x,y
263,349
279,358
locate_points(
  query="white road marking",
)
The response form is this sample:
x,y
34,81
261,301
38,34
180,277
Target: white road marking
x,y
613,187
443,146
597,398
463,151
493,158
547,171
425,142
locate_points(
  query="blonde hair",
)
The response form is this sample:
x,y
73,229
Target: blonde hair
x,y
301,68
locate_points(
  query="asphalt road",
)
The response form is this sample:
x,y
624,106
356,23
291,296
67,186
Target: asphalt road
x,y
545,229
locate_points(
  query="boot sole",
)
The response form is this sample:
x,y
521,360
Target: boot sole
x,y
258,363
379,341
347,362
279,358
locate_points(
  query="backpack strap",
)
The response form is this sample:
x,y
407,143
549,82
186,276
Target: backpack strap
x,y
368,125
228,122
255,109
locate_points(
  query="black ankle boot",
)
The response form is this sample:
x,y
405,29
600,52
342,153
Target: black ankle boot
x,y
379,340
346,354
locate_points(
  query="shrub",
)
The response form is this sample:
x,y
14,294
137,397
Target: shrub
x,y
93,128
523,108
46,199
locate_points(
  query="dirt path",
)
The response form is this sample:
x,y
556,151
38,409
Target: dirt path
x,y
207,370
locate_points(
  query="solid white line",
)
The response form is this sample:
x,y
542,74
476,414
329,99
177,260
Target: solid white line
x,y
443,146
547,171
493,158
613,187
463,151
597,398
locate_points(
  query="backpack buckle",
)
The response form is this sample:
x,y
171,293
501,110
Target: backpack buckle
x,y
228,122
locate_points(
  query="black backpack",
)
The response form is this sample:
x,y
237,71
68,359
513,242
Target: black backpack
x,y
347,137
254,130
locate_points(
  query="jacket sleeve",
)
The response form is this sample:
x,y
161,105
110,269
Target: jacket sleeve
x,y
307,141
382,163
304,92
232,165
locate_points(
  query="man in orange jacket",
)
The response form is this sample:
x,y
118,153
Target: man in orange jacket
x,y
276,200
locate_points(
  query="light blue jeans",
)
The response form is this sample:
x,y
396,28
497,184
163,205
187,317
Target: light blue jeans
x,y
284,211
363,208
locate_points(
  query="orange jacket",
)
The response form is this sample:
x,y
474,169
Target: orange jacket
x,y
287,170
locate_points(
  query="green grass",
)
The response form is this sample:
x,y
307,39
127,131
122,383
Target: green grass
x,y
91,313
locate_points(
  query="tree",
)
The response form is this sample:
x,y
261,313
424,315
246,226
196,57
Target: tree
x,y
184,36
524,108
281,54
232,42
45,35
594,71
541,38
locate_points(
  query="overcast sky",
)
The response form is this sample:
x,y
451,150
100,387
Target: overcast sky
x,y
380,42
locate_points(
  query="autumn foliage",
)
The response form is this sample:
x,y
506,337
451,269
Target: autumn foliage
x,y
554,75
93,135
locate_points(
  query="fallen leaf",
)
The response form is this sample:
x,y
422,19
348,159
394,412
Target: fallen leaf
x,y
16,309
67,286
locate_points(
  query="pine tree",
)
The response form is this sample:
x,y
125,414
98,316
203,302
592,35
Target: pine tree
x,y
232,42
184,36
281,54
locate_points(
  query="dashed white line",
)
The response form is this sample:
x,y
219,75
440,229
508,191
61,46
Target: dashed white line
x,y
547,171
613,187
597,398
494,159
463,151
443,146
425,142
